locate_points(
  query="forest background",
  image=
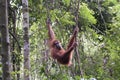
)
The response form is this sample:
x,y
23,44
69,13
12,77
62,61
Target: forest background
x,y
23,39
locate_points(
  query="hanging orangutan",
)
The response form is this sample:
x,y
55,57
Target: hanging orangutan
x,y
57,52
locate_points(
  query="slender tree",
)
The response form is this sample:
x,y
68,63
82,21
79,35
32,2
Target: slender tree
x,y
5,50
26,40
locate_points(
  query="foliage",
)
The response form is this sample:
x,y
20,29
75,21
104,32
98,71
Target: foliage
x,y
86,15
98,52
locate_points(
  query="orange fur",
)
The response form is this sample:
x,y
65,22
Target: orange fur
x,y
57,52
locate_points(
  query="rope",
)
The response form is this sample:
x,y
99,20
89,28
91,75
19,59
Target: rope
x,y
48,13
77,13
76,49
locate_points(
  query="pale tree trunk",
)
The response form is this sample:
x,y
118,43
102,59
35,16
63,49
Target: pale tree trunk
x,y
5,49
26,40
0,42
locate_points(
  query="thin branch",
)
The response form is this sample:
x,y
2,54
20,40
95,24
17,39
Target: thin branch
x,y
101,14
15,40
98,30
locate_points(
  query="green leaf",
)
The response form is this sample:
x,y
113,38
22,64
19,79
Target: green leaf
x,y
67,2
86,15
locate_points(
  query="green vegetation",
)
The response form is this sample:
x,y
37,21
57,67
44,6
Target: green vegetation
x,y
98,52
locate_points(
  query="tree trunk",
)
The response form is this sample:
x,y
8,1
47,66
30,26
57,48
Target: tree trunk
x,y
5,49
26,40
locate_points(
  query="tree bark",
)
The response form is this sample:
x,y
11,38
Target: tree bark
x,y
26,40
5,49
